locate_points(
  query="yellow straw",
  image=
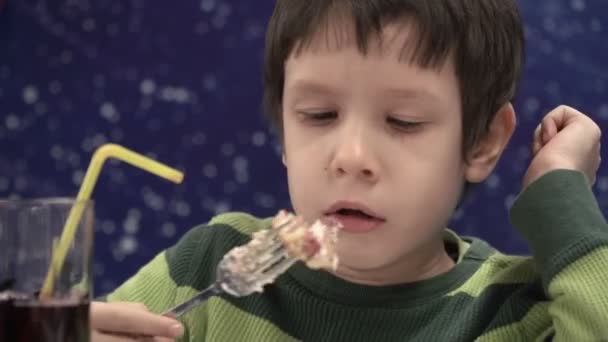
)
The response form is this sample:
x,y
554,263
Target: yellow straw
x,y
69,230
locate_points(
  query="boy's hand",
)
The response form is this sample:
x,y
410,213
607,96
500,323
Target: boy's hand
x,y
126,322
565,139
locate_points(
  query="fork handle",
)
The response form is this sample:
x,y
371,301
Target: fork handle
x,y
189,304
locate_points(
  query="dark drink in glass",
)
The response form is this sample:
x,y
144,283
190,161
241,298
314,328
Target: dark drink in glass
x,y
27,320
29,231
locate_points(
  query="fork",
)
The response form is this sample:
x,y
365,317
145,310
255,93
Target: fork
x,y
245,269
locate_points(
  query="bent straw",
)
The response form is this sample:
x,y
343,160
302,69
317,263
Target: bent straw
x,y
69,230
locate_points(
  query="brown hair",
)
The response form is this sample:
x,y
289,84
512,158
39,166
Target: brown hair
x,y
485,38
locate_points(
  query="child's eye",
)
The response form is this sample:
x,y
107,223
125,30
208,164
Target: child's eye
x,y
404,126
318,117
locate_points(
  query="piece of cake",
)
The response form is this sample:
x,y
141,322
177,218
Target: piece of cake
x,y
248,268
315,244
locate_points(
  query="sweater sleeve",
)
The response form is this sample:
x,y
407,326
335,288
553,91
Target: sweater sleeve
x,y
561,220
161,283
156,283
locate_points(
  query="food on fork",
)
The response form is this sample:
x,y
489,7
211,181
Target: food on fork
x,y
247,268
315,244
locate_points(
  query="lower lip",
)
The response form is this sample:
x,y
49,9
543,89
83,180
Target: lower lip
x,y
356,224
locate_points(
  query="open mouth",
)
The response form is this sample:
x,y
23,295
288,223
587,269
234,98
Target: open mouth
x,y
354,217
354,213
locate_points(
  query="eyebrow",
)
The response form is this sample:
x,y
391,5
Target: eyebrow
x,y
310,87
412,93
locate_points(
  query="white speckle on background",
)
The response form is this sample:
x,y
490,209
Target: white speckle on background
x,y
147,87
88,24
240,167
595,25
199,139
98,140
221,207
221,15
181,95
209,82
578,5
264,200
108,227
167,93
207,5
30,94
12,122
227,149
77,177
549,24
258,138
109,112
532,104
509,200
128,245
131,222
168,229
181,208
493,181
56,152
603,112
602,184
73,159
210,170
152,199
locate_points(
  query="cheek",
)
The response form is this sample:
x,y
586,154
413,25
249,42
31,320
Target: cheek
x,y
303,193
434,179
304,174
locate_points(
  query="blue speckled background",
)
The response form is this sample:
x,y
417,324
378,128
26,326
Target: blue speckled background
x,y
181,81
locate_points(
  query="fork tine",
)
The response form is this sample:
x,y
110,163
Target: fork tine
x,y
280,267
275,257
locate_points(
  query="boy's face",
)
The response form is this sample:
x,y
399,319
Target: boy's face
x,y
375,132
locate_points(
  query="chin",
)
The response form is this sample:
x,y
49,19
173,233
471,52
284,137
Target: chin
x,y
363,259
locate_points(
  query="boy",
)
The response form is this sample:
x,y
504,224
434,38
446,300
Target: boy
x,y
387,110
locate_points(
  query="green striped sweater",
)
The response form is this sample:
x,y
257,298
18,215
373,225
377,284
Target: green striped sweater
x,y
561,294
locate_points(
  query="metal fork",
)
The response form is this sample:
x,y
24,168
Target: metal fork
x,y
245,269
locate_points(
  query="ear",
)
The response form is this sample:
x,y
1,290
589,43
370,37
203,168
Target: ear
x,y
483,157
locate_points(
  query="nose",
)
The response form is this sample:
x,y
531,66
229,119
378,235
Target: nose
x,y
354,156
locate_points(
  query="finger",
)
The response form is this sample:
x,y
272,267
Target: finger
x,y
102,337
142,338
163,339
97,336
536,140
549,129
564,115
132,320
135,305
536,146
